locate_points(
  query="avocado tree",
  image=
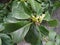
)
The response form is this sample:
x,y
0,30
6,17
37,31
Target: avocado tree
x,y
27,20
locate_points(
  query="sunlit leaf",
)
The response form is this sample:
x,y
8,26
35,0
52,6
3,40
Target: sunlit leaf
x,y
58,40
50,43
18,11
52,35
36,6
47,16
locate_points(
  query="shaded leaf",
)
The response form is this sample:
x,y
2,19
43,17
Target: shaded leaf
x,y
1,5
52,23
57,4
10,27
18,36
33,36
6,40
43,30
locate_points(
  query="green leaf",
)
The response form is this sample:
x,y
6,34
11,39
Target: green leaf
x,y
0,41
33,36
1,5
10,27
57,4
10,19
52,35
36,6
6,40
47,16
27,8
39,42
3,13
1,27
53,23
58,40
50,43
18,11
43,30
18,36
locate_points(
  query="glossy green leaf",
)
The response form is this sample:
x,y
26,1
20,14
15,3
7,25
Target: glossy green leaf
x,y
10,27
27,8
10,19
50,43
33,36
18,11
53,23
43,30
36,6
6,40
52,35
18,36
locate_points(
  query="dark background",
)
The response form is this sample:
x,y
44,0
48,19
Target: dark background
x,y
4,1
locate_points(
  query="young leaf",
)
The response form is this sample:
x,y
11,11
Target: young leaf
x,y
18,36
